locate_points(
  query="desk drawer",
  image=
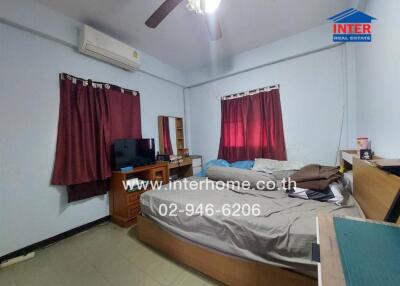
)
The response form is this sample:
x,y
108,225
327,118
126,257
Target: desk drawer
x,y
158,174
133,211
133,198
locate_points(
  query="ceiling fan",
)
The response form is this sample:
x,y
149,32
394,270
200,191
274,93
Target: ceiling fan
x,y
204,7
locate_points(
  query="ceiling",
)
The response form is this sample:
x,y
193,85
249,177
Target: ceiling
x,y
182,39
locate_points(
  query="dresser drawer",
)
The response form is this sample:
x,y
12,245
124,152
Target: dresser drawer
x,y
133,211
133,198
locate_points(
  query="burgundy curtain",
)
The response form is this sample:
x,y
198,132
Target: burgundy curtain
x,y
125,115
91,116
166,137
252,127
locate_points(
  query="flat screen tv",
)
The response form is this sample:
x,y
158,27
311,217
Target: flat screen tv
x,y
132,153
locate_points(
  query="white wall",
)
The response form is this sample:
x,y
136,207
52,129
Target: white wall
x,y
378,80
313,96
41,19
305,42
31,209
314,90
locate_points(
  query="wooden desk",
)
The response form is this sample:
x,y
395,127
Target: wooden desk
x,y
366,245
124,205
182,169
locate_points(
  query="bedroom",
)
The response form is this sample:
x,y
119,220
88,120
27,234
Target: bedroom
x,y
326,95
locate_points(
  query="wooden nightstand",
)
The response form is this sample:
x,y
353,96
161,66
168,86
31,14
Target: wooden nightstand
x,y
124,205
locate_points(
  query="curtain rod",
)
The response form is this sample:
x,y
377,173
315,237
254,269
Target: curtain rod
x,y
97,84
250,92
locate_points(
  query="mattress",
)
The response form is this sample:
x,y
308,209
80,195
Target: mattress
x,y
280,234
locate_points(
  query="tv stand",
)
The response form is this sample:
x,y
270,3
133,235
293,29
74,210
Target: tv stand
x,y
124,205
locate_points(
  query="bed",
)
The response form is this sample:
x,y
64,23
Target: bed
x,y
275,243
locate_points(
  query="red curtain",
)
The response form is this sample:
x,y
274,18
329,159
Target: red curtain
x,y
125,115
166,137
91,116
252,127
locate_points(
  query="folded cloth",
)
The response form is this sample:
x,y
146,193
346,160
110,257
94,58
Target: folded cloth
x,y
332,194
316,177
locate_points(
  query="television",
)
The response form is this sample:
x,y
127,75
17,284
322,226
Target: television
x,y
132,153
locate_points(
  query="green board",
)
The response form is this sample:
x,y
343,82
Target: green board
x,y
370,252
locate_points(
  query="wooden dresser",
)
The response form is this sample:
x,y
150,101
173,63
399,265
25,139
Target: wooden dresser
x,y
124,205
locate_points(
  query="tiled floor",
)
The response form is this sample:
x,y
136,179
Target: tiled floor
x,y
104,255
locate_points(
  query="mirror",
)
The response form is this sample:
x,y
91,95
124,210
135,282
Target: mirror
x,y
171,135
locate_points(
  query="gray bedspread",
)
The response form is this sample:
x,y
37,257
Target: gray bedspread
x,y
281,235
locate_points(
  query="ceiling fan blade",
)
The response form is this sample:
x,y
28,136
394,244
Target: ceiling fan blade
x,y
214,27
162,12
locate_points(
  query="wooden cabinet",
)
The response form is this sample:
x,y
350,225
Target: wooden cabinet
x,y
124,205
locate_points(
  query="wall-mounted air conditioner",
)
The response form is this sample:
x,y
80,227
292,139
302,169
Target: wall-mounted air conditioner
x,y
105,48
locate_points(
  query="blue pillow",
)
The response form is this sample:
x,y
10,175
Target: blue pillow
x,y
243,164
219,163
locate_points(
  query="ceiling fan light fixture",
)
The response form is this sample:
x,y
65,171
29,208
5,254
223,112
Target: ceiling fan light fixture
x,y
203,6
210,6
197,6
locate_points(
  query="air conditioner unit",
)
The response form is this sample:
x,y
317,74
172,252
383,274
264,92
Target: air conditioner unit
x,y
105,48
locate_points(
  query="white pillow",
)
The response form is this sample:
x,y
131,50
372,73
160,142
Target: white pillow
x,y
269,166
